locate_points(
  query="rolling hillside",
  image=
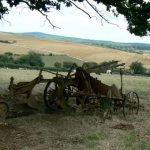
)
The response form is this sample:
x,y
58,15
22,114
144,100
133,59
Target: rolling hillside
x,y
23,44
131,47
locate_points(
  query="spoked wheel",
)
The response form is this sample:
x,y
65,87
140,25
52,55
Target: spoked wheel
x,y
131,103
69,92
51,94
3,110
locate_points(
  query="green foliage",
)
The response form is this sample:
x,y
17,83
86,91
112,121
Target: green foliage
x,y
9,53
137,68
6,59
32,59
50,54
57,64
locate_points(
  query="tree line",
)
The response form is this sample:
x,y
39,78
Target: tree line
x,y
34,61
31,60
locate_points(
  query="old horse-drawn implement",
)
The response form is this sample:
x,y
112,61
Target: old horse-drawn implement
x,y
81,86
88,91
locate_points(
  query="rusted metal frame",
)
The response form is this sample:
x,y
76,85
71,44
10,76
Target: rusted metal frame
x,y
69,72
121,75
54,73
24,87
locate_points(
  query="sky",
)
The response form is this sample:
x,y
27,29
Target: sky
x,y
73,23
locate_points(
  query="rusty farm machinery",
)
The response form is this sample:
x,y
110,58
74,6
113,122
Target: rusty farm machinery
x,y
87,91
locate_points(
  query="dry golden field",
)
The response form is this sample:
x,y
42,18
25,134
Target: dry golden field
x,y
84,52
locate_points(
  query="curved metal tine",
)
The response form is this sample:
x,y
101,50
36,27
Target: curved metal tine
x,y
53,73
72,67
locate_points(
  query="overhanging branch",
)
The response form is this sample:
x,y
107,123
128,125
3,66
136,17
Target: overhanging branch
x,y
41,12
98,12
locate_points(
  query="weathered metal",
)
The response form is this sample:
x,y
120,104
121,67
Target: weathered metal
x,y
23,87
87,90
3,110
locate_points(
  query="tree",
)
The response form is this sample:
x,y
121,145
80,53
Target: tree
x,y
136,12
32,59
137,68
5,58
57,64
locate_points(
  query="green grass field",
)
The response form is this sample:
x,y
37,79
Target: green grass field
x,y
78,131
49,61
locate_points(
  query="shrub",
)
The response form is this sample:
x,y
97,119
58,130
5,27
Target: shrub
x,y
137,68
32,59
9,53
6,59
57,64
50,54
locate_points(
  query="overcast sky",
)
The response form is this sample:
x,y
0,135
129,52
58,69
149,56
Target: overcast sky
x,y
73,23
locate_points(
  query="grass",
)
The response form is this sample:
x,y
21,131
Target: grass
x,y
138,84
133,141
49,61
90,140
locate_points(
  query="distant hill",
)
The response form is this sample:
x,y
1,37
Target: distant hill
x,y
83,52
131,47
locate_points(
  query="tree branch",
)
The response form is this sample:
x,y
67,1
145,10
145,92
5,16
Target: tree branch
x,y
98,12
46,16
80,9
41,12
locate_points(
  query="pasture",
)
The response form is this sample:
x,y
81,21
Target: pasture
x,y
49,61
77,131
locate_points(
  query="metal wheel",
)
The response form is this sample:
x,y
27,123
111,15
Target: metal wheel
x,y
131,103
3,110
69,92
51,94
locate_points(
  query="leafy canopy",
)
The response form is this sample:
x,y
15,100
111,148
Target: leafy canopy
x,y
136,12
137,68
32,59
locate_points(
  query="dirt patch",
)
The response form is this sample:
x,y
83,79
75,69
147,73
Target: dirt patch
x,y
122,126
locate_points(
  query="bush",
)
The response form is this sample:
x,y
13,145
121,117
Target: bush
x,y
57,64
9,53
6,59
50,54
32,59
137,68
